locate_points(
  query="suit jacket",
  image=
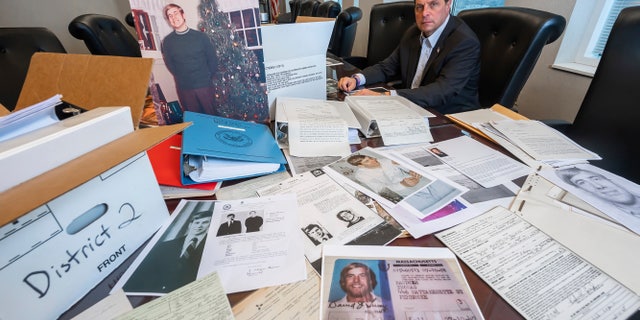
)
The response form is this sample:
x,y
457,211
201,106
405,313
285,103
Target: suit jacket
x,y
450,82
163,270
225,229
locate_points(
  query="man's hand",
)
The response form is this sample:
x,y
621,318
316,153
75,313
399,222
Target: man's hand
x,y
347,84
412,180
367,92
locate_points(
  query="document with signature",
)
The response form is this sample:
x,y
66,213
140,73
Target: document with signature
x,y
251,243
535,274
551,209
298,300
266,251
365,282
328,214
200,300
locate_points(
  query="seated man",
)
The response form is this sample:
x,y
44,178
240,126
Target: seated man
x,y
438,62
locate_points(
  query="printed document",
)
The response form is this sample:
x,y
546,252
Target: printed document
x,y
328,214
542,142
484,165
395,118
471,203
200,300
544,205
297,300
317,128
251,243
536,275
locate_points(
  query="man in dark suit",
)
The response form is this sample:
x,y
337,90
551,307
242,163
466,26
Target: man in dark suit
x,y
173,263
438,62
231,226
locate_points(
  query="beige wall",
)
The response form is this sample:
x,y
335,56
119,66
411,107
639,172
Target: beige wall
x,y
56,15
549,93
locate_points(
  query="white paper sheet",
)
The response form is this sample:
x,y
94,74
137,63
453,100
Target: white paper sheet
x,y
541,141
535,274
271,256
203,299
608,246
615,196
321,200
484,165
295,65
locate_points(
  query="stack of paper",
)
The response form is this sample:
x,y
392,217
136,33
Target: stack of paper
x,y
533,142
395,118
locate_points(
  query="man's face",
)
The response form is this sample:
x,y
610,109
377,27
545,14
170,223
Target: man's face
x,y
357,282
176,19
602,187
346,215
430,14
369,162
199,226
316,233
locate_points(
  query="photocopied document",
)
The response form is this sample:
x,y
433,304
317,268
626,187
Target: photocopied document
x,y
395,118
615,196
299,165
329,214
199,300
110,307
541,141
317,129
484,165
251,243
298,300
612,250
409,283
471,203
535,274
266,251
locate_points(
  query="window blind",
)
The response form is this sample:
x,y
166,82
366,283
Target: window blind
x,y
616,7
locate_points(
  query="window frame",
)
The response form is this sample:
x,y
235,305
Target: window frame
x,y
585,26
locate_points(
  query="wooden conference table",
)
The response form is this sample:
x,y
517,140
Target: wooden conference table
x,y
491,304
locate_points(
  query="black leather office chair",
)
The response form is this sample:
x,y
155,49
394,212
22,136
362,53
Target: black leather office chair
x,y
129,19
387,23
309,8
512,39
290,17
104,35
329,9
344,32
608,118
17,45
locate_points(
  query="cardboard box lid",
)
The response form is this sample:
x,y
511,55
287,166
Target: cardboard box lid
x,y
88,81
35,192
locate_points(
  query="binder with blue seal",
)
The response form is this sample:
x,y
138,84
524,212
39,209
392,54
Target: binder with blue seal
x,y
217,149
